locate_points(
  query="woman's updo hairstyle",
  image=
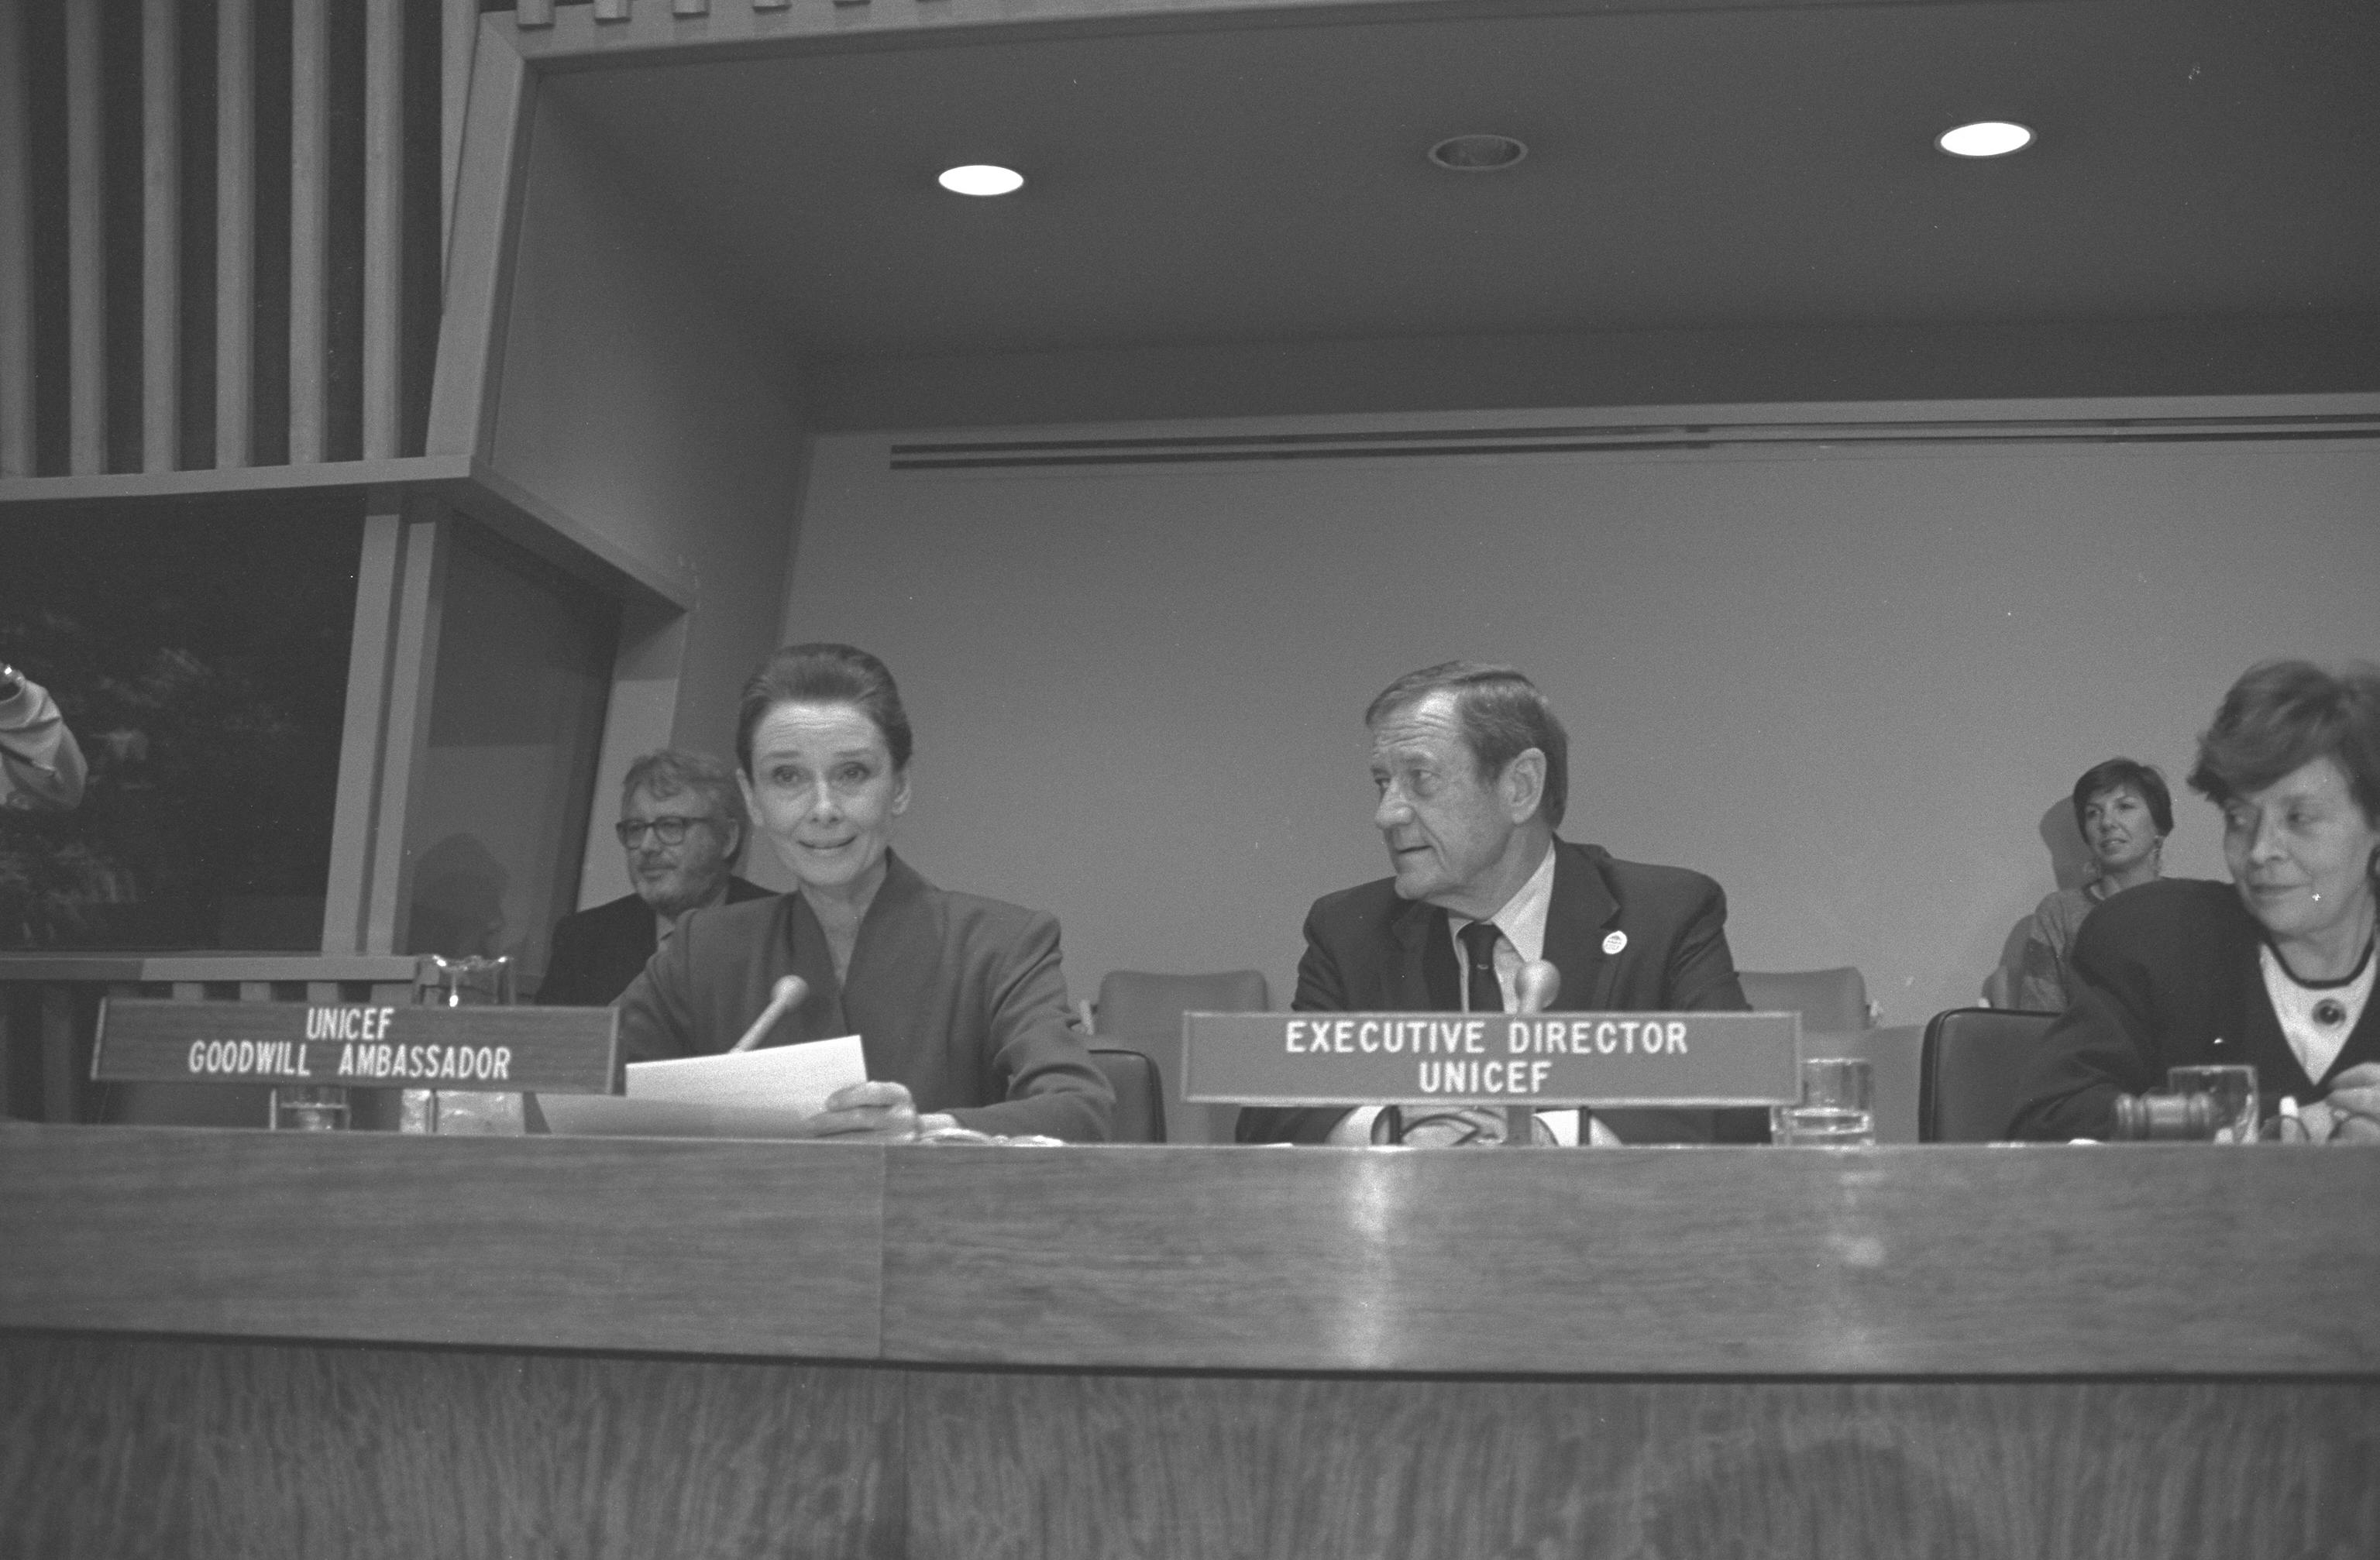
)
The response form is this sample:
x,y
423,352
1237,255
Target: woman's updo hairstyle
x,y
824,673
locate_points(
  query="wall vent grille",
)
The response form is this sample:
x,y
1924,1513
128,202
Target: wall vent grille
x,y
1576,437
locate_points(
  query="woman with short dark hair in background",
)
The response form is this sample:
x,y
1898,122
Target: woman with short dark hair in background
x,y
2274,970
2124,812
959,1001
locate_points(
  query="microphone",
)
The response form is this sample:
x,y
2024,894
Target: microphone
x,y
1537,985
783,998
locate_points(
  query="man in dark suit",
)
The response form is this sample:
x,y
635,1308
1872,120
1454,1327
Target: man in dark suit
x,y
683,824
1473,773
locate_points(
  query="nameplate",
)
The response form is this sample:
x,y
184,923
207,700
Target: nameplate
x,y
360,1044
1492,1058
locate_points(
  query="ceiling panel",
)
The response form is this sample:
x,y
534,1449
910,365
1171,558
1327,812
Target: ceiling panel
x,y
1687,169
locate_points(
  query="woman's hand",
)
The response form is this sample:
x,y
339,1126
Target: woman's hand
x,y
2351,1112
872,1112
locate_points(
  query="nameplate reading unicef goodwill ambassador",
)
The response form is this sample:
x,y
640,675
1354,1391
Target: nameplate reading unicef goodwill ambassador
x,y
1492,1058
360,1045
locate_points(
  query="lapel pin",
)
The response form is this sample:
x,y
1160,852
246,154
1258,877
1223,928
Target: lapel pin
x,y
1613,942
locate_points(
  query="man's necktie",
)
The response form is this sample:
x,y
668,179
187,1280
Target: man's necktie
x,y
1479,945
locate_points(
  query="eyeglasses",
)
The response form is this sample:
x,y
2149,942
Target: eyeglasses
x,y
669,831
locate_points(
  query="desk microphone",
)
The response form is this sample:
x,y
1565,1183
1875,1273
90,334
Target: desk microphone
x,y
783,998
1538,984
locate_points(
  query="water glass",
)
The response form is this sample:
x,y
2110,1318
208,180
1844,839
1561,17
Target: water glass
x,y
309,1107
466,982
2232,1092
1837,1109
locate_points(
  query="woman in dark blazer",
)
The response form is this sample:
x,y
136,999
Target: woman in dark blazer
x,y
2274,970
959,1001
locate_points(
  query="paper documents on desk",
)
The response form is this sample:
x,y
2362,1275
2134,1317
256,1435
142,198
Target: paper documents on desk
x,y
761,1094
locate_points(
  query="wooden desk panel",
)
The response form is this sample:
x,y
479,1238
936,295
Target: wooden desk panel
x,y
735,1248
1035,1466
1629,1354
113,1447
2145,1259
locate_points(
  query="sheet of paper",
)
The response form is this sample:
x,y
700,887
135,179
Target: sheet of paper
x,y
763,1094
787,1077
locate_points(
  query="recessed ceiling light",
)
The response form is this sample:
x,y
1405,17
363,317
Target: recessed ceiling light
x,y
981,178
1477,154
1985,137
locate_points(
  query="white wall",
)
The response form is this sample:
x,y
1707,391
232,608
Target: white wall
x,y
1849,685
633,402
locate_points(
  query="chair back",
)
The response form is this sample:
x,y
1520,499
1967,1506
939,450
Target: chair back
x,y
1967,1078
1143,1010
1139,1092
1833,1001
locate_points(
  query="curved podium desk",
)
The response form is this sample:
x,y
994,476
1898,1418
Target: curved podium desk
x,y
219,1343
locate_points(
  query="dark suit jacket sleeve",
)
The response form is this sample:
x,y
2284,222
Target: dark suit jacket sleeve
x,y
1322,988
570,975
1699,977
1054,1089
658,1012
2103,1046
1702,968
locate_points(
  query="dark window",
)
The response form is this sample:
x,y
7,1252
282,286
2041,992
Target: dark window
x,y
199,651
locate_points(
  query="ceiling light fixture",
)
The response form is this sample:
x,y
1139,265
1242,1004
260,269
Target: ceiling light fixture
x,y
981,178
1985,137
1477,154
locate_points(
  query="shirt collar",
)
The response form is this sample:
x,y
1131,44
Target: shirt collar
x,y
1522,918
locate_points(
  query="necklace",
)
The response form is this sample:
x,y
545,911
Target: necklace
x,y
2316,1016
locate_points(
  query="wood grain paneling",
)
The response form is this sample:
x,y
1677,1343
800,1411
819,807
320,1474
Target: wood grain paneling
x,y
478,244
546,1243
1055,1466
86,246
16,255
1756,1260
310,219
384,222
458,36
113,1447
235,229
160,236
1833,1354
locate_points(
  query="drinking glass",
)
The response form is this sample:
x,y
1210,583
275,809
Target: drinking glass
x,y
1837,1107
309,1107
2232,1091
467,982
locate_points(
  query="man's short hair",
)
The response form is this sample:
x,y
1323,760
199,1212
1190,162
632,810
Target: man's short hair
x,y
2100,779
674,769
2281,716
1502,716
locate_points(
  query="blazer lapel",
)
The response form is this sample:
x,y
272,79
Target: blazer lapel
x,y
1425,979
2258,1040
821,1015
2361,1046
1576,922
900,935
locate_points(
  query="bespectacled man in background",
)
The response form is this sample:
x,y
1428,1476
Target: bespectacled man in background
x,y
682,824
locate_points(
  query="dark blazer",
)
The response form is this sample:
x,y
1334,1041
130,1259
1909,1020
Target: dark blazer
x,y
2166,974
1367,950
597,952
959,997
